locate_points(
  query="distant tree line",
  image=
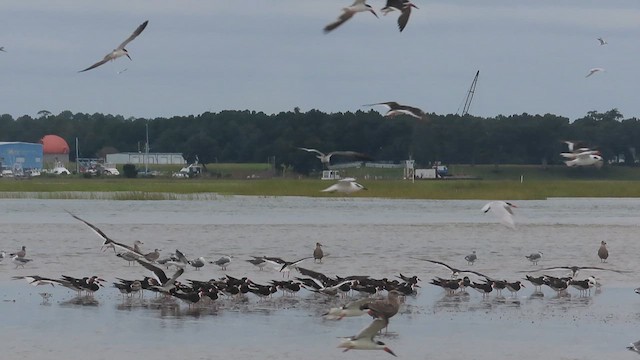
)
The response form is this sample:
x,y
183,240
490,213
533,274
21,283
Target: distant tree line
x,y
249,136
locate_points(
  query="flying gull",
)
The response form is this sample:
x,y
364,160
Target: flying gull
x,y
348,12
120,50
346,185
502,210
593,71
396,109
326,158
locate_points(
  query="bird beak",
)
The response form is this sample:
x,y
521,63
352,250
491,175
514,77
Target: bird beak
x,y
522,285
389,351
374,13
414,6
128,56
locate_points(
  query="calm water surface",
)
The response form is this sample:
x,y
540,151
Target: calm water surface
x,y
374,237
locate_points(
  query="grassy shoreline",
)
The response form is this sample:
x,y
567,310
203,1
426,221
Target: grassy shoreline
x,y
207,189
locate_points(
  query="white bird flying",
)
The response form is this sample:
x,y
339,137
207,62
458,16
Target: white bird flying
x,y
326,158
593,71
348,12
346,185
585,158
120,50
502,210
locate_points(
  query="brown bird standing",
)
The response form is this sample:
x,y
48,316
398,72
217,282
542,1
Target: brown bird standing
x,y
317,253
603,253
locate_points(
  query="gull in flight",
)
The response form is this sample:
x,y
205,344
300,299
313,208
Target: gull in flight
x,y
602,41
585,158
326,158
396,109
365,338
404,6
2,49
346,185
502,210
348,12
593,71
120,50
135,251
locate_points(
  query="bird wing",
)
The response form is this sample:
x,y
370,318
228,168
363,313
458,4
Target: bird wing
x,y
292,264
599,268
312,150
354,154
341,20
404,17
103,61
355,305
181,257
487,206
175,276
504,216
389,104
372,329
273,260
106,239
438,262
160,275
133,36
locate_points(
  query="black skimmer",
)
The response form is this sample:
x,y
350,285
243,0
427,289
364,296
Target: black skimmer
x,y
471,258
223,262
450,285
318,254
584,286
348,12
498,285
502,211
120,50
557,284
514,287
602,41
190,297
404,6
21,253
353,308
326,158
483,288
165,284
637,290
635,347
346,186
87,284
536,281
454,272
396,109
594,70
107,241
603,253
413,280
20,261
365,338
283,265
197,263
534,257
36,280
128,287
258,261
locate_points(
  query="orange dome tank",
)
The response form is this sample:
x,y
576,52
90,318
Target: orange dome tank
x,y
54,144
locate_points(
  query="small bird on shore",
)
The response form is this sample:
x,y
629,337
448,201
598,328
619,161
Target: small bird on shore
x,y
471,258
318,254
603,253
21,253
535,257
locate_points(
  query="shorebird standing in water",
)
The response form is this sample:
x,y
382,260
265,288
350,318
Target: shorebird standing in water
x,y
603,253
471,258
318,254
348,12
120,50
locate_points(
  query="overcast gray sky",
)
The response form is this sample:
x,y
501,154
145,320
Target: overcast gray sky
x,y
272,55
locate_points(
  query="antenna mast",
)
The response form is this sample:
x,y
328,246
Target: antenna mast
x,y
472,90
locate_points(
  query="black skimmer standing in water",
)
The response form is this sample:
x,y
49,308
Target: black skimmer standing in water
x,y
326,158
584,286
502,211
345,186
318,254
404,6
484,288
603,253
536,281
514,287
535,257
120,50
396,109
364,340
348,12
108,242
454,272
471,258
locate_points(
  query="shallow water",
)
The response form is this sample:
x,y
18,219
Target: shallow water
x,y
375,237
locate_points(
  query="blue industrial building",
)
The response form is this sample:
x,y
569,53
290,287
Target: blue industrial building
x,y
25,155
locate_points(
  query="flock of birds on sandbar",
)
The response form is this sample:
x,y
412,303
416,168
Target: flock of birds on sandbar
x,y
370,299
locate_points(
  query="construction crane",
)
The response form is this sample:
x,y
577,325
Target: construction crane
x,y
470,93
